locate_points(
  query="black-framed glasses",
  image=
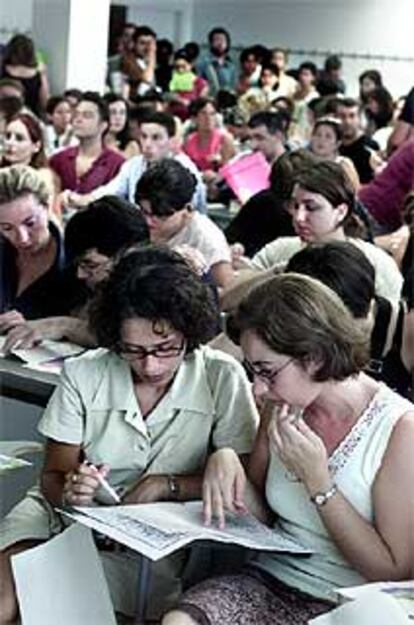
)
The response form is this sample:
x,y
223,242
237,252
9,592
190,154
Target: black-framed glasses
x,y
266,375
90,266
150,215
137,352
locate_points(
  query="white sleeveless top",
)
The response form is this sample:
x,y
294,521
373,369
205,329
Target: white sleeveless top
x,y
353,465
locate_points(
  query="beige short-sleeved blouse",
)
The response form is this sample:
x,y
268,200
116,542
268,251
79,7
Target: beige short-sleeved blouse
x,y
208,406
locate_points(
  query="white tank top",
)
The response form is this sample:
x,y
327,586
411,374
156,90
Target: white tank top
x,y
353,465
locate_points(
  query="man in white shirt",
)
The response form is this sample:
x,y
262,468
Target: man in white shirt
x,y
164,194
157,140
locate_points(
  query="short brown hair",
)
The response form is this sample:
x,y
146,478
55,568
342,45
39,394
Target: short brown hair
x,y
330,180
299,316
20,180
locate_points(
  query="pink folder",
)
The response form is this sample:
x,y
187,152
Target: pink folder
x,y
247,175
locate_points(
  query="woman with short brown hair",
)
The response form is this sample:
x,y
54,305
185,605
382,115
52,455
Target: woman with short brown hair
x,y
332,462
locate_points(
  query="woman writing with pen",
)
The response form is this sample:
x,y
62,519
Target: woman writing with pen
x,y
142,414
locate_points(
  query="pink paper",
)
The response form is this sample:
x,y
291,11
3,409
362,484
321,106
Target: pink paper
x,y
247,175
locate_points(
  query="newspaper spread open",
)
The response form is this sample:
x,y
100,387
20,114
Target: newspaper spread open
x,y
156,530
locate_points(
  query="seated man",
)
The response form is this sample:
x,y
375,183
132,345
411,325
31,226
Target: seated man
x,y
93,240
157,140
90,164
164,194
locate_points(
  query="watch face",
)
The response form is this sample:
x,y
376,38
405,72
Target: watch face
x,y
320,499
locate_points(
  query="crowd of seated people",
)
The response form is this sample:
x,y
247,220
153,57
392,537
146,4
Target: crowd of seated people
x,y
265,367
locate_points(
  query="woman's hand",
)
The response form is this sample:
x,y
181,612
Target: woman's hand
x,y
237,255
71,199
194,258
10,319
300,449
223,486
82,483
23,336
31,333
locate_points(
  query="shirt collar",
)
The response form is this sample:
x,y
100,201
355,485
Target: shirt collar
x,y
115,390
190,389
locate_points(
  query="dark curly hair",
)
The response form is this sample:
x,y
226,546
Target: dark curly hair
x,y
156,284
167,185
110,224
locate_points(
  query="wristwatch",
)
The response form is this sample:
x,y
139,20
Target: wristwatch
x,y
320,499
173,487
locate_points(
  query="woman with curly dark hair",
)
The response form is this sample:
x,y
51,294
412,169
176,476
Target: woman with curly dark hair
x,y
143,413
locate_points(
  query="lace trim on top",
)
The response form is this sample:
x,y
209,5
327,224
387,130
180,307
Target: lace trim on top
x,y
346,447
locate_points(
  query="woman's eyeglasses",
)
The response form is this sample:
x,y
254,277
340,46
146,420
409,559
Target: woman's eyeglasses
x,y
266,375
137,352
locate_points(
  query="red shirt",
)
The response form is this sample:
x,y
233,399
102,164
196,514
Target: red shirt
x,y
384,196
103,169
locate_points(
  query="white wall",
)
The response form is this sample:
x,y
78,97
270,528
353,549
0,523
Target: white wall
x,y
50,31
74,35
172,19
15,16
364,27
369,27
88,44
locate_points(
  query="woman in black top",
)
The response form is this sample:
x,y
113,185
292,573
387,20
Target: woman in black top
x,y
30,248
20,63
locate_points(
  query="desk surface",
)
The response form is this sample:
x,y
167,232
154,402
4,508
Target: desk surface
x,y
220,214
24,384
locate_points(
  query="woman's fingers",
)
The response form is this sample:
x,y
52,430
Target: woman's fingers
x,y
217,506
80,485
10,319
206,503
20,337
239,492
274,436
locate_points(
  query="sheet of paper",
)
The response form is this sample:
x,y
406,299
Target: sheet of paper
x,y
9,463
371,608
402,591
45,352
19,448
62,582
156,530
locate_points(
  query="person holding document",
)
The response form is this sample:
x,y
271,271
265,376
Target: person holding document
x,y
333,462
143,414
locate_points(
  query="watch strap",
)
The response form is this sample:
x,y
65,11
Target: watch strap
x,y
173,487
320,499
